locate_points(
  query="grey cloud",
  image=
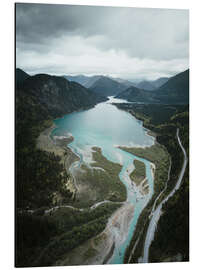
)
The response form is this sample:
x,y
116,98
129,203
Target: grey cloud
x,y
143,33
39,22
101,40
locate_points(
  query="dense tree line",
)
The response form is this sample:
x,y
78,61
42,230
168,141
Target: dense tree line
x,y
173,231
44,238
172,235
69,240
40,174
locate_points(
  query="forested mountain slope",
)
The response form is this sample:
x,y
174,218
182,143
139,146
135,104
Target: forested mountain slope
x,y
174,91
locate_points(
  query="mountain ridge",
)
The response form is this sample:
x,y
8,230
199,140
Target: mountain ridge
x,y
160,81
174,91
58,95
88,81
21,76
107,86
146,85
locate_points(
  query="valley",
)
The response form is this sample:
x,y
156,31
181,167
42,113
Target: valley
x,y
94,173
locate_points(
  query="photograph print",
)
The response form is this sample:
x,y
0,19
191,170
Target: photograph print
x,y
101,135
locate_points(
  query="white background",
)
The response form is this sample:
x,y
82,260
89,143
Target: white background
x,y
196,145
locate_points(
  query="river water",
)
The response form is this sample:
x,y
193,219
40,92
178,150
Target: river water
x,y
106,126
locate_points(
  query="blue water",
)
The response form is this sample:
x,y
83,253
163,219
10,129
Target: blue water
x,y
106,127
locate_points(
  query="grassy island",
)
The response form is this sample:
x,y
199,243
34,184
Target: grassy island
x,y
99,182
65,228
171,242
156,154
139,173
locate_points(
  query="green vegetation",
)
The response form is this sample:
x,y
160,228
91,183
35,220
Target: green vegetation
x,y
158,155
41,176
113,185
38,173
139,234
174,91
102,180
45,238
89,253
107,86
139,173
150,114
69,240
42,239
172,235
173,231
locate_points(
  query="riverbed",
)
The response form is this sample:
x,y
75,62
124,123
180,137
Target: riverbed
x,y
107,127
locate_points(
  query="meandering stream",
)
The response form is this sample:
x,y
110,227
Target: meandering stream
x,y
106,127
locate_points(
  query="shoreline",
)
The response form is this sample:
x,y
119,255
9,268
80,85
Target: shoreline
x,y
151,133
119,220
153,169
155,159
101,247
103,244
59,147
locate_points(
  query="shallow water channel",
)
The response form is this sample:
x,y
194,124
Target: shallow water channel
x,y
107,127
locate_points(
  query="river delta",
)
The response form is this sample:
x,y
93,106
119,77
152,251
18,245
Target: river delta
x,y
107,127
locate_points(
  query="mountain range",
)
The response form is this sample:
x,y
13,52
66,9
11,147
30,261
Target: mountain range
x,y
86,81
107,87
103,85
159,82
55,95
43,96
91,82
174,91
134,94
146,85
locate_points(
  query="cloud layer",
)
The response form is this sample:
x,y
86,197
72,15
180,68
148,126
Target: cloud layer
x,y
126,42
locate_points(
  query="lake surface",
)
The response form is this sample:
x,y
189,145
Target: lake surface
x,y
106,127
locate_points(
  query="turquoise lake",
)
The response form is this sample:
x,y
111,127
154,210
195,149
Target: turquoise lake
x,y
106,127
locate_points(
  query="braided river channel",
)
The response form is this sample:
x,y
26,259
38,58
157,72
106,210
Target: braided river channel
x,y
107,127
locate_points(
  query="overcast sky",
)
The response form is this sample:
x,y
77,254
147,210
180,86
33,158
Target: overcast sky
x,y
129,43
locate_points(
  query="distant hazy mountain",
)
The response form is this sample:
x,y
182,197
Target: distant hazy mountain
x,y
81,79
107,87
159,82
175,90
56,95
135,94
92,80
86,81
21,75
149,85
127,83
146,85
